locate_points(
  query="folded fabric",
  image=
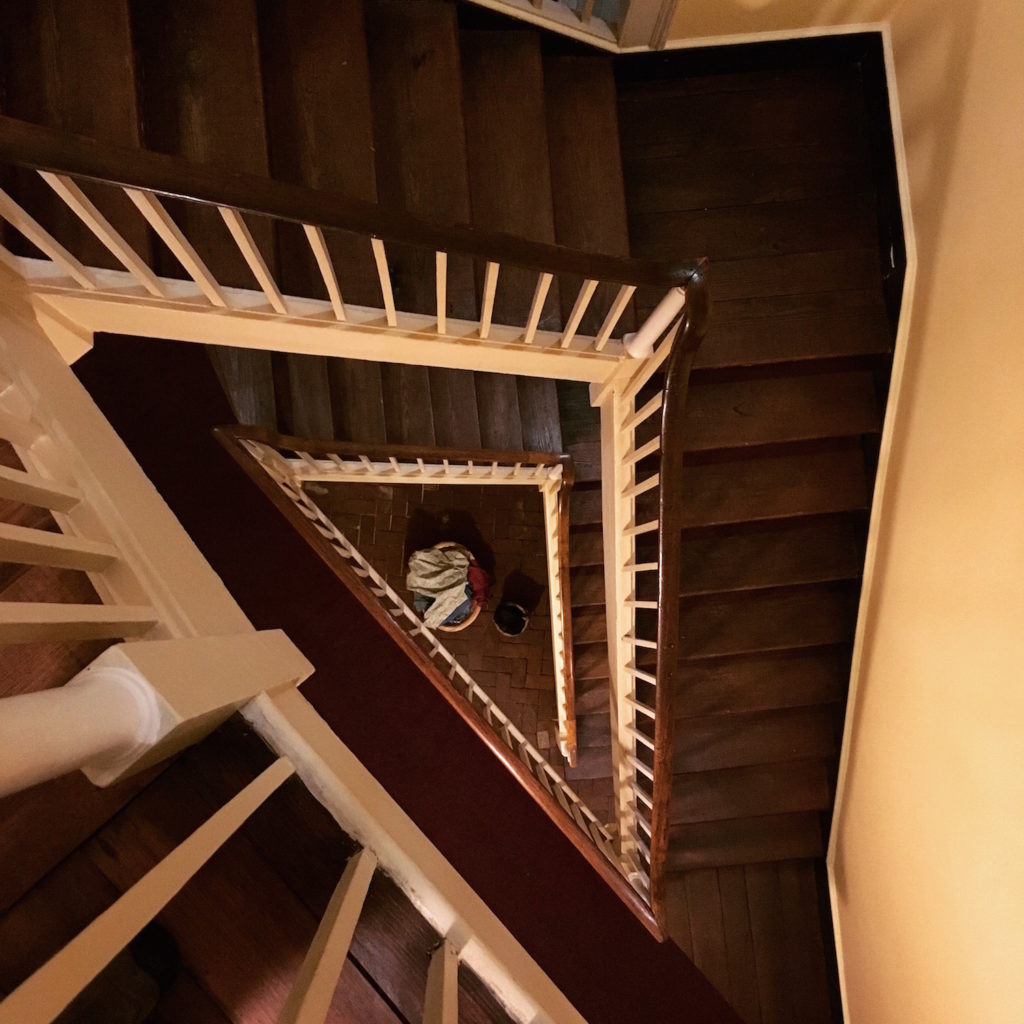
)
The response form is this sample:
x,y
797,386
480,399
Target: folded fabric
x,y
440,574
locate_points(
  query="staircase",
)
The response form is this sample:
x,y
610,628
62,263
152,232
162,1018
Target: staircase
x,y
771,170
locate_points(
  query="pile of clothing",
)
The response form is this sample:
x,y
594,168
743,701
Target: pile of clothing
x,y
446,583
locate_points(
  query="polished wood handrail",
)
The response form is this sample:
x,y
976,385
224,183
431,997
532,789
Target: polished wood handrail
x,y
326,447
45,149
670,527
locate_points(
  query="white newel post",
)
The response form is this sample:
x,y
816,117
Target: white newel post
x,y
138,703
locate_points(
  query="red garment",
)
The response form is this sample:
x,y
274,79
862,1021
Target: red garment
x,y
479,581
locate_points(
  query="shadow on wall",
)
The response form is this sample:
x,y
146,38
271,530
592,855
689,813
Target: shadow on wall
x,y
427,528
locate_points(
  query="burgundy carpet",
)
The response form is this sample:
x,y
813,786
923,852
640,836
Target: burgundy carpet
x,y
164,399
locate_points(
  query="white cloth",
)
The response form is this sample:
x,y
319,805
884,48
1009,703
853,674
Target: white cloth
x,y
440,574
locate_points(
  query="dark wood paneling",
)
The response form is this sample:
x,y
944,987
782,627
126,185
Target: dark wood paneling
x,y
357,400
706,930
538,413
497,400
454,403
739,944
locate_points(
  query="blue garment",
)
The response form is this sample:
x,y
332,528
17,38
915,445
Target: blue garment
x,y
421,603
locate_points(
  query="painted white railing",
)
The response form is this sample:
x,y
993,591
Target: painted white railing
x,y
289,474
630,433
549,477
142,700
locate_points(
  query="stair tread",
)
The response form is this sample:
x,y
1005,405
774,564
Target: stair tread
x,y
594,730
768,555
454,404
586,547
497,401
751,840
762,682
735,741
591,763
591,662
751,790
586,173
507,154
742,623
307,410
408,414
73,69
586,586
538,413
589,626
357,400
420,140
760,487
778,410
319,116
586,460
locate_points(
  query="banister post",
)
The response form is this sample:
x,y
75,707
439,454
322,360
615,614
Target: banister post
x,y
139,703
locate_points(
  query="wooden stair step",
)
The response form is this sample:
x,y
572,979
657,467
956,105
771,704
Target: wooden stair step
x,y
591,763
580,421
419,139
590,661
586,460
589,626
538,413
586,585
755,840
507,153
357,400
190,60
586,547
408,411
772,555
302,384
594,730
497,402
454,403
72,67
592,695
760,487
780,339
734,741
750,791
745,623
779,410
762,682
586,173
319,113
585,506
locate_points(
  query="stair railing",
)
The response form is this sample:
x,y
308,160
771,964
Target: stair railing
x,y
551,474
642,417
138,702
87,175
281,465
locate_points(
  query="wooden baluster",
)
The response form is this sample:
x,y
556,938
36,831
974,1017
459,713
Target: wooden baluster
x,y
309,1001
487,302
384,274
253,257
615,311
318,244
27,546
17,485
540,293
441,274
23,622
87,213
579,307
44,241
172,236
441,1002
44,994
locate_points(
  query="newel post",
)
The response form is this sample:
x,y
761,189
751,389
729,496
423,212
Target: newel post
x,y
138,703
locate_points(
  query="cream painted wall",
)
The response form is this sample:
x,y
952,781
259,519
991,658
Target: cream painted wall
x,y
928,851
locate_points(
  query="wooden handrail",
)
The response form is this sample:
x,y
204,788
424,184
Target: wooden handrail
x,y
44,149
229,437
325,447
670,527
565,599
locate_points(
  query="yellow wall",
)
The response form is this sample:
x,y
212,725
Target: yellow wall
x,y
929,848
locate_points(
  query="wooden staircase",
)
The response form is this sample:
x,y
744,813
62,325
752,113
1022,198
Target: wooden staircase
x,y
769,166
